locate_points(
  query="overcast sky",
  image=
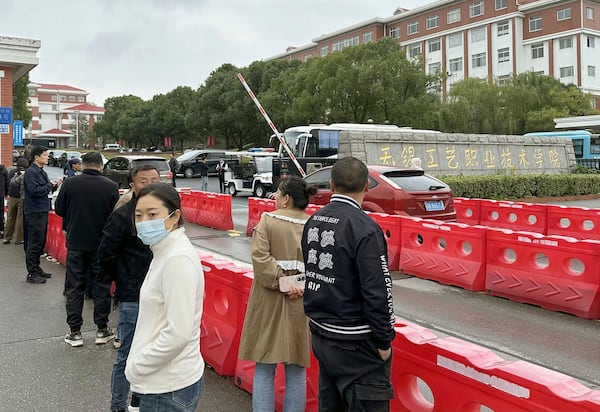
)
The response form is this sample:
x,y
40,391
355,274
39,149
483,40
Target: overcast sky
x,y
147,47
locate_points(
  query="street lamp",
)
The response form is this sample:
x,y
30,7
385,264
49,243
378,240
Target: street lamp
x,y
77,129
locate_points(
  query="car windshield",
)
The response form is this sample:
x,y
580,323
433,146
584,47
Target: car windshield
x,y
160,164
263,164
71,155
416,182
187,156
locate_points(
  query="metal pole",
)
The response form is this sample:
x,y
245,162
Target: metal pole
x,y
270,123
77,129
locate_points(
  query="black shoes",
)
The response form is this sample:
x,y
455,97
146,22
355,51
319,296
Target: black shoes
x,y
46,275
6,242
35,279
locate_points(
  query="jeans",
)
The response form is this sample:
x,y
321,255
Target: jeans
x,y
79,263
263,393
204,183
128,312
37,227
182,400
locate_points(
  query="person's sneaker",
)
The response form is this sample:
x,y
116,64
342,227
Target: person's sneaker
x,y
133,408
35,279
104,336
6,242
46,275
74,339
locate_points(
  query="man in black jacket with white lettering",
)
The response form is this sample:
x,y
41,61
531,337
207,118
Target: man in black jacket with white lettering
x,y
348,297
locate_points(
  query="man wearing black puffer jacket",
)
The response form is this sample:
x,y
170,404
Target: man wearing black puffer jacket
x,y
348,297
125,259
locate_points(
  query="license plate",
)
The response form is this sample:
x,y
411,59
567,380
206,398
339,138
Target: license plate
x,y
434,205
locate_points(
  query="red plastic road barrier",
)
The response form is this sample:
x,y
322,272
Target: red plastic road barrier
x,y
451,253
189,206
256,207
578,222
554,272
311,209
465,377
528,217
55,240
467,210
391,225
213,210
220,327
244,370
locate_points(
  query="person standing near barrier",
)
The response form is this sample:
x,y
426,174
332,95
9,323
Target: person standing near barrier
x,y
221,169
165,366
14,210
125,259
84,203
204,173
173,167
275,329
348,297
4,180
37,189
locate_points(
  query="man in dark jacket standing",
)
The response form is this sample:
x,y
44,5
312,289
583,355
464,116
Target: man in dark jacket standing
x,y
85,202
348,297
36,205
3,193
125,259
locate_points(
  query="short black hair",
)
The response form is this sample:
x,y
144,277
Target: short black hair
x,y
167,194
142,168
37,151
92,159
349,175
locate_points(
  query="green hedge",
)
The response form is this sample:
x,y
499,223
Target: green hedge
x,y
523,186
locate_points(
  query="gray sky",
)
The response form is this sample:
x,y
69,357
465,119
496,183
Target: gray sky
x,y
146,47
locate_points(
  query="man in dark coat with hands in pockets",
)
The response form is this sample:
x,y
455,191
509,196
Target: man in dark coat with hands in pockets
x,y
348,297
85,202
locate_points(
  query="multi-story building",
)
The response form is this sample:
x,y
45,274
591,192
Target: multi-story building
x,y
58,111
487,39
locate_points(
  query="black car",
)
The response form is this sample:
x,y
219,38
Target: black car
x,y
188,164
118,168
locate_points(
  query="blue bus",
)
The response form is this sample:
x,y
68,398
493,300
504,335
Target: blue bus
x,y
585,144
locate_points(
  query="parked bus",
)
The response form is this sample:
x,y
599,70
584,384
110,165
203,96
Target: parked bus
x,y
586,145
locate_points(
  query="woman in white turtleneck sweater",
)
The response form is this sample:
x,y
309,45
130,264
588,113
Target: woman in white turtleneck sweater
x,y
165,366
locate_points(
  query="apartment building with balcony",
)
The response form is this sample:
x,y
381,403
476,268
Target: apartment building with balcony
x,y
56,108
486,39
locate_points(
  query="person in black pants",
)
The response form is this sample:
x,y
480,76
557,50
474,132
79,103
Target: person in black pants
x,y
221,169
348,297
3,193
36,204
84,203
173,167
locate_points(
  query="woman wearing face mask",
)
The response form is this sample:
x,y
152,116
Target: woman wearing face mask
x,y
164,365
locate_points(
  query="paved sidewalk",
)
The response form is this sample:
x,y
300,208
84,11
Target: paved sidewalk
x,y
42,373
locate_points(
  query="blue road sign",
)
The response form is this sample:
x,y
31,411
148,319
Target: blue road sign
x,y
5,115
18,133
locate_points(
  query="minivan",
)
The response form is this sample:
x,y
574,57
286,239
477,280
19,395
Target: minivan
x,y
113,147
188,164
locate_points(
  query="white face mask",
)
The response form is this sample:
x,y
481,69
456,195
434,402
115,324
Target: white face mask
x,y
152,231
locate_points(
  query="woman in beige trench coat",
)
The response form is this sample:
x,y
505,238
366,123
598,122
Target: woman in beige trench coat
x,y
276,328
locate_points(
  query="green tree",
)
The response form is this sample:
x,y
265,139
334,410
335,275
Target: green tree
x,y
20,101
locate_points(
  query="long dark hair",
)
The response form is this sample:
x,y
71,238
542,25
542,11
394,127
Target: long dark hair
x,y
166,194
298,190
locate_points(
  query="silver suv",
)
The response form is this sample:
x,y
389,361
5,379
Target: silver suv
x,y
118,168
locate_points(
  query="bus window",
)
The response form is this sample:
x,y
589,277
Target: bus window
x,y
594,146
578,147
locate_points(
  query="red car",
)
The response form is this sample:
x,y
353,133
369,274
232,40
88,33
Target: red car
x,y
395,191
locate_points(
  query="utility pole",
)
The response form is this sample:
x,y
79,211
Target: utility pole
x,y
77,129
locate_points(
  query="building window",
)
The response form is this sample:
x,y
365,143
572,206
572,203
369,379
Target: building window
x,y
565,43
395,32
414,51
478,34
324,50
455,65
433,22
453,16
503,55
500,4
54,107
53,97
342,44
537,51
63,98
478,60
535,23
502,80
80,99
476,9
32,92
435,45
563,14
368,37
591,41
503,28
71,98
413,27
435,67
592,71
566,71
455,40
589,13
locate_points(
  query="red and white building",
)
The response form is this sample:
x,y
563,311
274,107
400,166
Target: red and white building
x,y
57,109
487,39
